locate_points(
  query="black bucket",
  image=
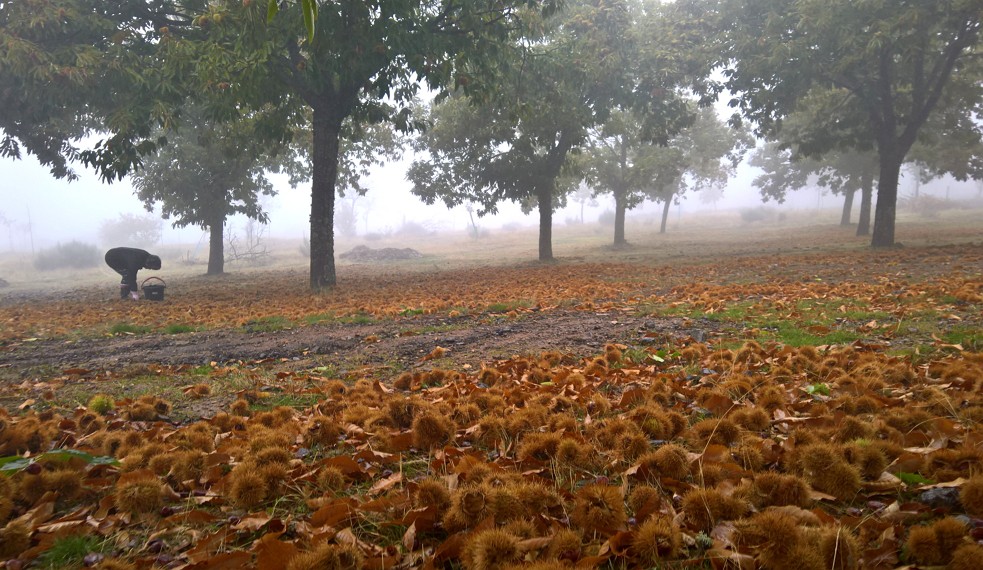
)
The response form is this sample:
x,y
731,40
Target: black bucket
x,y
153,291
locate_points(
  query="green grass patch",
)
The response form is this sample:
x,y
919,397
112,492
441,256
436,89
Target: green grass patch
x,y
179,329
127,328
271,323
357,319
508,306
319,318
299,401
70,551
969,338
328,371
793,334
818,388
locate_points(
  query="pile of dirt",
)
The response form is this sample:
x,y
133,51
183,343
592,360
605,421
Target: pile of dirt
x,y
365,253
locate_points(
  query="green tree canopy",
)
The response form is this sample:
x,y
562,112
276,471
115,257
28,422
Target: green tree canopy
x,y
208,172
891,64
517,144
622,162
72,69
362,61
843,173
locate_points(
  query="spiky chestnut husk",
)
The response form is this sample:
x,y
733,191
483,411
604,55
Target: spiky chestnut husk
x,y
949,532
852,428
538,446
827,470
705,507
273,455
141,412
432,493
839,549
565,546
656,540
868,459
188,465
971,496
752,419
239,407
247,488
264,438
723,432
777,489
67,483
572,453
100,404
774,535
599,509
667,461
644,497
490,550
140,496
966,557
333,556
748,453
402,411
923,547
331,479
323,432
432,430
15,538
612,354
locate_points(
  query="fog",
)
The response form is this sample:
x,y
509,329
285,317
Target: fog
x,y
39,211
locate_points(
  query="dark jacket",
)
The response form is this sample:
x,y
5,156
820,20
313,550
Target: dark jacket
x,y
128,260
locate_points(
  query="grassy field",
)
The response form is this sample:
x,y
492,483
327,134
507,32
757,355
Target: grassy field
x,y
724,395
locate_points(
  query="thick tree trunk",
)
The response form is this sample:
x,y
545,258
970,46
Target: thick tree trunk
x,y
887,199
216,247
324,173
866,198
665,214
545,203
620,206
847,207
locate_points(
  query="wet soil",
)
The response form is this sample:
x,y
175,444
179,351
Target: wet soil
x,y
398,344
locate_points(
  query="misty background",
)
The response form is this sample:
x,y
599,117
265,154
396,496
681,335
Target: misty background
x,y
40,211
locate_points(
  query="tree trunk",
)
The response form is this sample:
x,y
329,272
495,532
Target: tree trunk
x,y
847,207
545,203
324,173
887,199
620,206
216,247
665,214
918,179
866,197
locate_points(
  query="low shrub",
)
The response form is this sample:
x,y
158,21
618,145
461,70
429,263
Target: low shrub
x,y
71,255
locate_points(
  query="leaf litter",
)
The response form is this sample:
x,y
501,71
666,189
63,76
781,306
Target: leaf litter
x,y
733,451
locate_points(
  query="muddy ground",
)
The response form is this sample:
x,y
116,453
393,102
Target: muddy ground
x,y
380,351
398,343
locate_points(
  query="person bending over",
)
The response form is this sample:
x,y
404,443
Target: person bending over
x,y
127,261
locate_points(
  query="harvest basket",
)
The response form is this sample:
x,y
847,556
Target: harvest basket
x,y
153,291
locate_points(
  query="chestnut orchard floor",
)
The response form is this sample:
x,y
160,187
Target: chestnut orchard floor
x,y
730,400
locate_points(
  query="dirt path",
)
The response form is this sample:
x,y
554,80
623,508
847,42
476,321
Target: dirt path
x,y
398,344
